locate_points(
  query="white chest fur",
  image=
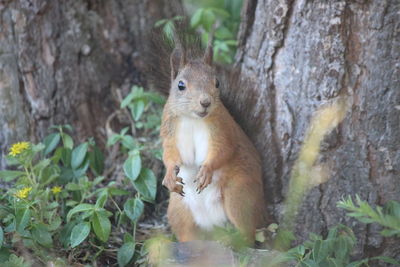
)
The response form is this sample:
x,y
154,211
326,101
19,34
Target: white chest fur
x,y
192,141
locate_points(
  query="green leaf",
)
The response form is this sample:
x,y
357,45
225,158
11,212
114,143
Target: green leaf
x,y
128,142
96,158
155,97
113,139
127,100
117,192
67,140
10,175
78,155
386,259
220,12
41,235
15,261
160,22
79,233
65,233
132,166
55,223
1,236
223,33
134,208
102,198
4,255
137,109
128,238
196,18
208,19
101,226
146,184
125,253
80,208
23,217
66,155
389,232
51,142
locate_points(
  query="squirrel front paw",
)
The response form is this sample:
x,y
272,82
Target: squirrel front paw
x,y
204,178
172,182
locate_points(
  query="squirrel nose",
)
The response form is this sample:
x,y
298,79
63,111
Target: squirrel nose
x,y
205,102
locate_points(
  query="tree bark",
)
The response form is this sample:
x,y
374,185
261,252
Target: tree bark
x,y
301,55
61,60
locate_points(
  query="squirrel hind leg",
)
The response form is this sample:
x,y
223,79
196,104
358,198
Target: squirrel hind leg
x,y
242,207
181,220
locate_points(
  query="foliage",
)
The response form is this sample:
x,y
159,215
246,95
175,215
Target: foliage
x,y
334,250
224,15
387,216
60,202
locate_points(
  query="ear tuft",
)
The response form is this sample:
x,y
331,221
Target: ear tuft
x,y
178,57
208,55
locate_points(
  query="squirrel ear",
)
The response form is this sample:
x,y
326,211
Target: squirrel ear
x,y
208,55
177,61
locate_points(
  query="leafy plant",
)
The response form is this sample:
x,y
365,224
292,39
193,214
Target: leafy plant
x,y
388,216
334,250
59,200
139,103
224,14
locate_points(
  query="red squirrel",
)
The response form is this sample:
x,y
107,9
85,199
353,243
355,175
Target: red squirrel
x,y
213,171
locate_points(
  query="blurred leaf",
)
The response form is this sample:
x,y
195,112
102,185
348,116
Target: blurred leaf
x,y
137,109
127,100
51,142
386,259
65,233
79,233
101,226
102,198
23,217
132,166
223,33
66,155
41,235
146,185
134,208
113,139
128,142
78,155
125,253
10,175
117,192
80,208
1,236
128,238
220,12
4,254
389,232
208,19
67,140
160,22
196,18
96,158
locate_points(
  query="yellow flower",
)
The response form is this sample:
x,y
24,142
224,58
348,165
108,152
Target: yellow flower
x,y
56,189
18,148
23,193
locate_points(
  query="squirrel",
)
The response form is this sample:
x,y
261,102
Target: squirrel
x,y
213,171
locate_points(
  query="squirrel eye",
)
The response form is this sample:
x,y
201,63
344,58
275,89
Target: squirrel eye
x,y
181,86
216,83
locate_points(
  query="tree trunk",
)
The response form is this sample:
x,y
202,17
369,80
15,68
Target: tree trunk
x,y
301,55
61,60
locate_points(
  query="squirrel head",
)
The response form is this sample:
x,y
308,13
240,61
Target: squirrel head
x,y
194,88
